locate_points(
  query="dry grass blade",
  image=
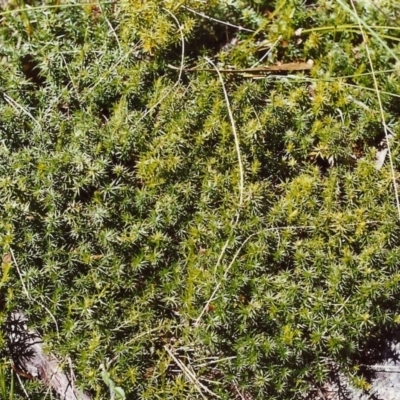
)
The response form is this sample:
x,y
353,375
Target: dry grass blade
x,y
282,67
16,105
378,95
190,375
235,133
217,20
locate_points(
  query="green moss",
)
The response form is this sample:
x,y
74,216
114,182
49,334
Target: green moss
x,y
120,190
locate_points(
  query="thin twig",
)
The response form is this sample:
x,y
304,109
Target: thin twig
x,y
111,27
384,12
217,20
14,104
294,66
236,138
190,375
23,387
215,361
268,52
238,392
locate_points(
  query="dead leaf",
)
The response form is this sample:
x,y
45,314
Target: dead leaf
x,y
294,66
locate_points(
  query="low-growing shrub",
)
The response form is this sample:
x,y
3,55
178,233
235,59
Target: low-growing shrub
x,y
196,246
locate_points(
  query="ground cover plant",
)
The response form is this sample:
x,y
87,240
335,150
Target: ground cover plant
x,y
177,231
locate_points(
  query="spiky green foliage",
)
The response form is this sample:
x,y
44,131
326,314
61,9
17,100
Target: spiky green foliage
x,y
121,193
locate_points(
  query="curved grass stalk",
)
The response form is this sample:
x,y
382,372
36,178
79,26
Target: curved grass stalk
x,y
363,24
347,26
385,128
241,28
235,134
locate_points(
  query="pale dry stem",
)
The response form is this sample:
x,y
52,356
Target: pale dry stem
x,y
190,375
378,95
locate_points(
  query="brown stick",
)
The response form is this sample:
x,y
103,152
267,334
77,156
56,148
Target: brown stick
x,y
294,66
